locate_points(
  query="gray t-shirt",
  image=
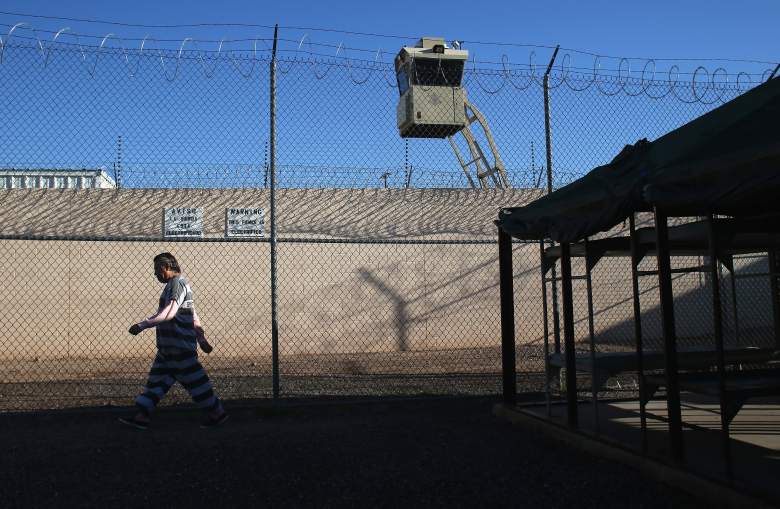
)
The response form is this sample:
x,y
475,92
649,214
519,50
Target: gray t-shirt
x,y
179,332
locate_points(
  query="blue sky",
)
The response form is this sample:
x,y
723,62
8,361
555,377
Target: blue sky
x,y
219,125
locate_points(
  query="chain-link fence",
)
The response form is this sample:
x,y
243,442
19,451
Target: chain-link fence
x,y
387,264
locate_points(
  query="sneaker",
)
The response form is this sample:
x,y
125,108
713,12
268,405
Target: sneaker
x,y
211,422
132,421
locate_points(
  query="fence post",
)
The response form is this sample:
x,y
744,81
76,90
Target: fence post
x,y
272,148
548,145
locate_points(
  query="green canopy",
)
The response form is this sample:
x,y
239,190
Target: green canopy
x,y
724,162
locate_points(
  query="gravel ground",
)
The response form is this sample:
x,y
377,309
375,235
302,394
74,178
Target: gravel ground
x,y
80,382
447,452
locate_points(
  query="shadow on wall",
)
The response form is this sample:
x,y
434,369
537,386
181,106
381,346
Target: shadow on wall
x,y
746,310
447,305
399,305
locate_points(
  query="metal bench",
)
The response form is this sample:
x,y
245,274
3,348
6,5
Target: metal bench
x,y
739,386
610,364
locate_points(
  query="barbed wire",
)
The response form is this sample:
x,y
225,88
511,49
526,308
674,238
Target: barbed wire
x,y
45,50
702,85
342,46
367,34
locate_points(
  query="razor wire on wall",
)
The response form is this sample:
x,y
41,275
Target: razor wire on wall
x,y
387,260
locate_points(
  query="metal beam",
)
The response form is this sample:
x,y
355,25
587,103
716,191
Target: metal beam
x,y
717,328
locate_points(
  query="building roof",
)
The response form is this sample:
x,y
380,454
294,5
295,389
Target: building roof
x,y
51,171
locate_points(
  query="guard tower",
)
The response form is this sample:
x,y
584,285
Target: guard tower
x,y
433,104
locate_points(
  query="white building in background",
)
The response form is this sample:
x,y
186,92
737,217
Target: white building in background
x,y
55,179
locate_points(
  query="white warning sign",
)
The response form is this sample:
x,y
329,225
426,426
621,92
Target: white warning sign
x,y
244,222
182,222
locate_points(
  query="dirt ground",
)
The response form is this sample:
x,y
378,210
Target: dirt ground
x,y
68,383
432,452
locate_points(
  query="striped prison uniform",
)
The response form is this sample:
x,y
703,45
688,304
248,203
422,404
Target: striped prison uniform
x,y
170,366
177,356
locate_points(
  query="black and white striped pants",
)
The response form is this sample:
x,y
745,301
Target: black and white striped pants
x,y
176,365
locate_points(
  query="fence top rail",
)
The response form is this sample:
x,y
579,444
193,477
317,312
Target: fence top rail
x,y
259,240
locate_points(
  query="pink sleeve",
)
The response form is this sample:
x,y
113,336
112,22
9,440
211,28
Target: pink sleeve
x,y
163,315
196,319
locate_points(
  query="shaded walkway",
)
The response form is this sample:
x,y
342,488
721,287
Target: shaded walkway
x,y
418,453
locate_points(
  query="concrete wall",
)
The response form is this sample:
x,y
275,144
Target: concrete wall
x,y
75,299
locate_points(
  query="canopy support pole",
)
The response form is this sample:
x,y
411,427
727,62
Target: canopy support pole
x,y
636,259
670,337
717,327
508,358
545,329
568,335
594,384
